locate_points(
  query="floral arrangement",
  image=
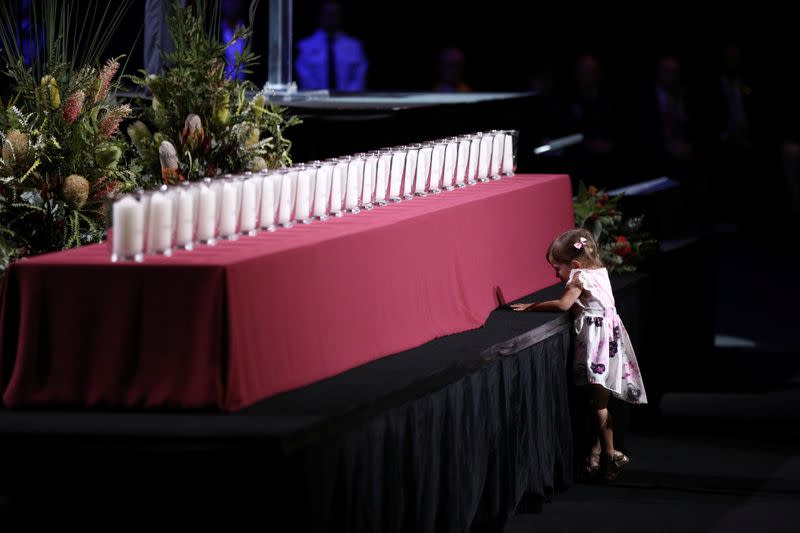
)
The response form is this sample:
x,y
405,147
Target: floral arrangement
x,y
205,124
61,148
621,241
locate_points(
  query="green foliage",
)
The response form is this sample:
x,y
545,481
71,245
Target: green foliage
x,y
61,151
621,241
234,132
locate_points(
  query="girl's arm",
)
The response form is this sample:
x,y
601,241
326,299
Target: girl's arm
x,y
562,304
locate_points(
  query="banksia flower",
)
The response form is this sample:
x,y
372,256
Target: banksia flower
x,y
16,146
76,191
49,92
104,81
112,119
259,164
252,137
259,104
168,157
73,106
220,109
140,136
108,156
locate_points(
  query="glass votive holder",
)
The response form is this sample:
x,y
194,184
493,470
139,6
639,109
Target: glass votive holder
x,y
338,185
229,203
354,181
510,145
287,197
252,185
382,177
397,167
474,155
450,162
125,220
370,176
207,213
423,170
437,167
185,207
306,181
159,234
322,189
410,173
270,193
462,160
484,156
496,158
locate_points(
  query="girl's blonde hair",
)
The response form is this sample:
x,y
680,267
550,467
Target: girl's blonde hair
x,y
575,245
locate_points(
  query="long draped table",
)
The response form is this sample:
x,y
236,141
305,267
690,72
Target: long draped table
x,y
225,326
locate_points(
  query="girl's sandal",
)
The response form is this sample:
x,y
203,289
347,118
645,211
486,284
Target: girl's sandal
x,y
614,464
592,466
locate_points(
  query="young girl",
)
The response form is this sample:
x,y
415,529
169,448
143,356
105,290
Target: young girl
x,y
604,359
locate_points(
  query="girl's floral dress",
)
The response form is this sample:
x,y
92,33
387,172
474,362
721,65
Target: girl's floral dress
x,y
603,351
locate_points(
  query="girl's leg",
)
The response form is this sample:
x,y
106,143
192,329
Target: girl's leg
x,y
598,405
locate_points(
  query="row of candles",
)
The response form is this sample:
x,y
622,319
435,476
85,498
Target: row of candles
x,y
183,216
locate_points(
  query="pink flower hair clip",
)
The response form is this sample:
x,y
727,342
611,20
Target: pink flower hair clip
x,y
580,243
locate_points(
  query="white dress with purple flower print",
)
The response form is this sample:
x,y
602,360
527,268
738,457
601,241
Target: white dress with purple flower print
x,y
603,351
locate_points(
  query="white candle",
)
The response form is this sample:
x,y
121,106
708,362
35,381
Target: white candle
x,y
463,159
497,154
450,155
185,219
228,212
206,214
287,198
303,198
159,230
396,174
410,172
472,164
352,192
508,156
382,177
423,169
483,158
247,217
128,229
268,195
370,172
322,191
437,165
337,188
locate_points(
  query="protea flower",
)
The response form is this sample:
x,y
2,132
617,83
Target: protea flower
x,y
74,105
168,157
76,190
192,134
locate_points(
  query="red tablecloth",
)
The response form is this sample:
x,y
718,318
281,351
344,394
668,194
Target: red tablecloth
x,y
228,325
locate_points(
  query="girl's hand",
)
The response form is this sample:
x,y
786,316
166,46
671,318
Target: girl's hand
x,y
521,307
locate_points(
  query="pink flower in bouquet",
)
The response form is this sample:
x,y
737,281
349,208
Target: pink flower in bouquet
x,y
73,106
625,246
106,75
109,124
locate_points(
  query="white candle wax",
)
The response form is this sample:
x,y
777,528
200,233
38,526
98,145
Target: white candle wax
x,y
185,219
207,214
463,159
450,155
497,154
485,155
159,230
382,177
247,216
423,169
337,188
227,213
508,155
322,191
287,197
437,165
128,226
396,174
268,195
410,172
303,198
370,172
352,192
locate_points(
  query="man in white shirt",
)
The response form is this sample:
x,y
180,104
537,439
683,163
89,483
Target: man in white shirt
x,y
348,71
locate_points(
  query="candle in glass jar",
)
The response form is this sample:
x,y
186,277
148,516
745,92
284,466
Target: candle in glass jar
x,y
352,192
247,216
287,198
207,214
410,172
128,234
370,170
227,213
508,155
461,163
396,174
497,154
322,190
382,178
450,154
483,158
472,164
159,230
268,195
437,165
303,209
337,189
423,170
185,220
